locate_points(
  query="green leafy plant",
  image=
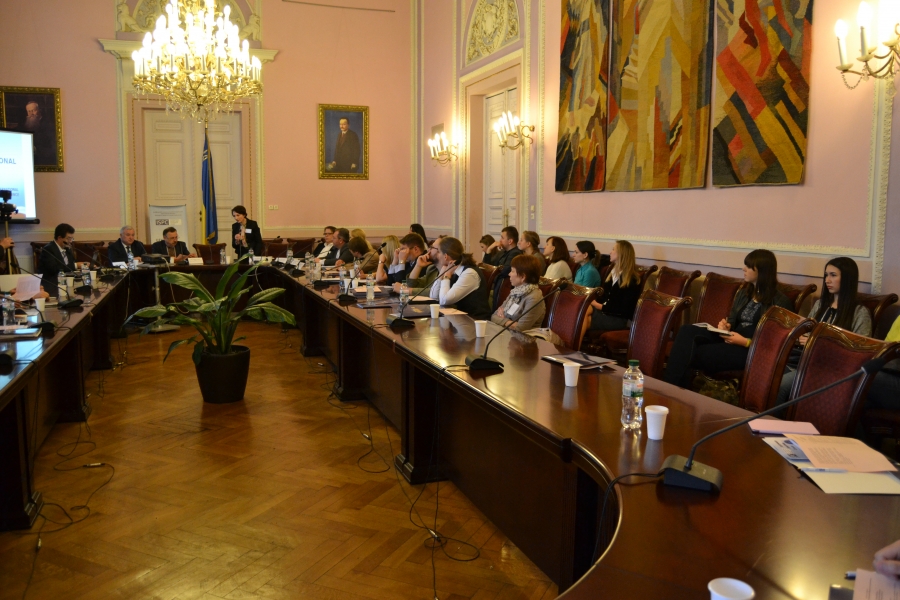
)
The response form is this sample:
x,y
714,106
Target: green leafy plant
x,y
214,316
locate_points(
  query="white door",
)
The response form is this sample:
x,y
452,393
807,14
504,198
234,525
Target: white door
x,y
500,173
173,151
170,174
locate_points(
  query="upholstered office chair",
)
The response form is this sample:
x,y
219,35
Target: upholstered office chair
x,y
546,286
830,354
655,317
797,293
210,253
776,334
614,344
489,272
880,423
569,313
302,245
277,249
876,303
716,297
502,293
674,282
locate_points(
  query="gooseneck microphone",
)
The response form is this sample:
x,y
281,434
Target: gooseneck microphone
x,y
400,322
483,363
685,472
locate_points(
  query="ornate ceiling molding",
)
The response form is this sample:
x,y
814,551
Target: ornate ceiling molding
x,y
494,24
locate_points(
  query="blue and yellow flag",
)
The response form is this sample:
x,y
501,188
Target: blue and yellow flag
x,y
210,223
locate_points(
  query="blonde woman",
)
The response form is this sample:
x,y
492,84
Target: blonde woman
x,y
621,290
388,252
360,233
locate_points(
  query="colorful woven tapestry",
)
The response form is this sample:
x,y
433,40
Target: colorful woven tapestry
x,y
659,95
584,73
762,92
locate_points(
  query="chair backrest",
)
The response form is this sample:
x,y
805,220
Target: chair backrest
x,y
302,245
674,282
830,354
547,286
209,253
886,321
797,293
716,297
502,292
655,316
489,272
36,249
775,335
569,311
876,303
277,249
646,272
85,250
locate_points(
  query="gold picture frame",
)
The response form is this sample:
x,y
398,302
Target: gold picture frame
x,y
47,129
337,148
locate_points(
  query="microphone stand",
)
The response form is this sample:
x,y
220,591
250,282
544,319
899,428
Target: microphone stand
x,y
483,363
400,322
679,471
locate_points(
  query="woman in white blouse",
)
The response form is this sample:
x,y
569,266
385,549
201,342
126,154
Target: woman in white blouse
x,y
557,254
461,282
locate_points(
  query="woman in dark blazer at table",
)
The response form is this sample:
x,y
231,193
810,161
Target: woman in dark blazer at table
x,y
245,234
708,351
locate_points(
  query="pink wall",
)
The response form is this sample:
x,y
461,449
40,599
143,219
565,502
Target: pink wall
x,y
54,44
333,56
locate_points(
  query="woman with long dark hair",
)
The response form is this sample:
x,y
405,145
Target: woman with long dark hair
x,y
837,306
584,255
461,282
486,241
416,228
557,254
708,351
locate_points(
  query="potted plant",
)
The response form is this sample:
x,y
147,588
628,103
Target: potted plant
x,y
222,367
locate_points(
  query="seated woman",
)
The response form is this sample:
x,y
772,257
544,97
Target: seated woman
x,y
530,244
557,254
368,259
416,228
708,351
838,306
462,283
524,274
486,242
360,233
621,291
584,255
389,248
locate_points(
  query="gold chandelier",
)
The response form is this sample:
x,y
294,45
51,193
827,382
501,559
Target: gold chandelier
x,y
879,42
196,61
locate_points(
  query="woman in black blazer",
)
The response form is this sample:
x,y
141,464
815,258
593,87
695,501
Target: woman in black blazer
x,y
245,233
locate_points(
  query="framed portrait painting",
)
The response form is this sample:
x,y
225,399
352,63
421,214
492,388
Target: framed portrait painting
x,y
36,111
343,142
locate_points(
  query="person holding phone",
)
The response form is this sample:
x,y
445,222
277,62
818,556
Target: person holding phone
x,y
696,347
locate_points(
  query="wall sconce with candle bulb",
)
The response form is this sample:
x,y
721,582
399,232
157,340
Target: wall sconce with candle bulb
x,y
442,152
508,126
878,66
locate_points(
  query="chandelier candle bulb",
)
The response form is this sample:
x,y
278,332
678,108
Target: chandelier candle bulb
x,y
864,20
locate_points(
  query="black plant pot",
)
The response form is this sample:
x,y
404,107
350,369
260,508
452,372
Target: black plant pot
x,y
223,377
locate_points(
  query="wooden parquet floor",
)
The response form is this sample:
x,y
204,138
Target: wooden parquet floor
x,y
260,499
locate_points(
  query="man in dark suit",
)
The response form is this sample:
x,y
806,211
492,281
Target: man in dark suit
x,y
57,256
343,255
171,247
118,250
346,150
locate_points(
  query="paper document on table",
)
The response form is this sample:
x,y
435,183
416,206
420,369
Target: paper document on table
x,y
27,288
788,449
875,586
712,328
832,482
451,311
778,426
848,454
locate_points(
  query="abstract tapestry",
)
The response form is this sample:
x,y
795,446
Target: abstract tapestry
x,y
583,93
762,91
659,95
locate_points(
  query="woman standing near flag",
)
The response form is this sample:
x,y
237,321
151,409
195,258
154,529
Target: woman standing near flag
x,y
245,233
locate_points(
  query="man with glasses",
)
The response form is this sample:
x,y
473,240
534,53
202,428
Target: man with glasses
x,y
57,256
326,248
425,271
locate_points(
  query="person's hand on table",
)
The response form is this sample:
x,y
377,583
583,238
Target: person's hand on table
x,y
338,263
887,560
396,287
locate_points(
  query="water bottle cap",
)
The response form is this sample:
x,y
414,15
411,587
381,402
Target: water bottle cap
x,y
633,362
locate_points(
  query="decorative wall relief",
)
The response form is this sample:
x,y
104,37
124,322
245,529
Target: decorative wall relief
x,y
762,91
494,24
146,12
659,95
583,96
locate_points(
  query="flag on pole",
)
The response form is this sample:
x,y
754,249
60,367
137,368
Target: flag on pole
x,y
210,222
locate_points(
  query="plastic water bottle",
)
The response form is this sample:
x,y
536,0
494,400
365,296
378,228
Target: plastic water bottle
x,y
9,312
404,292
130,260
288,257
61,285
250,254
632,396
222,256
342,274
370,288
356,268
370,316
86,275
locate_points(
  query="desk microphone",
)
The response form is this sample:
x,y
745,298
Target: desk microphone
x,y
684,472
107,275
483,363
400,322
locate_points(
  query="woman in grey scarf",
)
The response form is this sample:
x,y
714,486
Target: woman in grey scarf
x,y
524,274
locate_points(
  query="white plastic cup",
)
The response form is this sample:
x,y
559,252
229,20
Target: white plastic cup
x,y
227,260
436,311
725,588
70,282
480,328
656,421
39,303
94,280
571,369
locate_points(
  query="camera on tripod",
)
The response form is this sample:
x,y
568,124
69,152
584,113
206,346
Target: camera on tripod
x,y
6,209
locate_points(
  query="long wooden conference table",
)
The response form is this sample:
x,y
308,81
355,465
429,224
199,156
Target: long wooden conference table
x,y
536,458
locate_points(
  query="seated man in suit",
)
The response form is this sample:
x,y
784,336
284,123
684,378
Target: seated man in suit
x,y
324,249
343,255
57,256
118,250
412,246
171,247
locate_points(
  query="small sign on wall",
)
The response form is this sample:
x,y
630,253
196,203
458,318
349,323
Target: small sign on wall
x,y
163,217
